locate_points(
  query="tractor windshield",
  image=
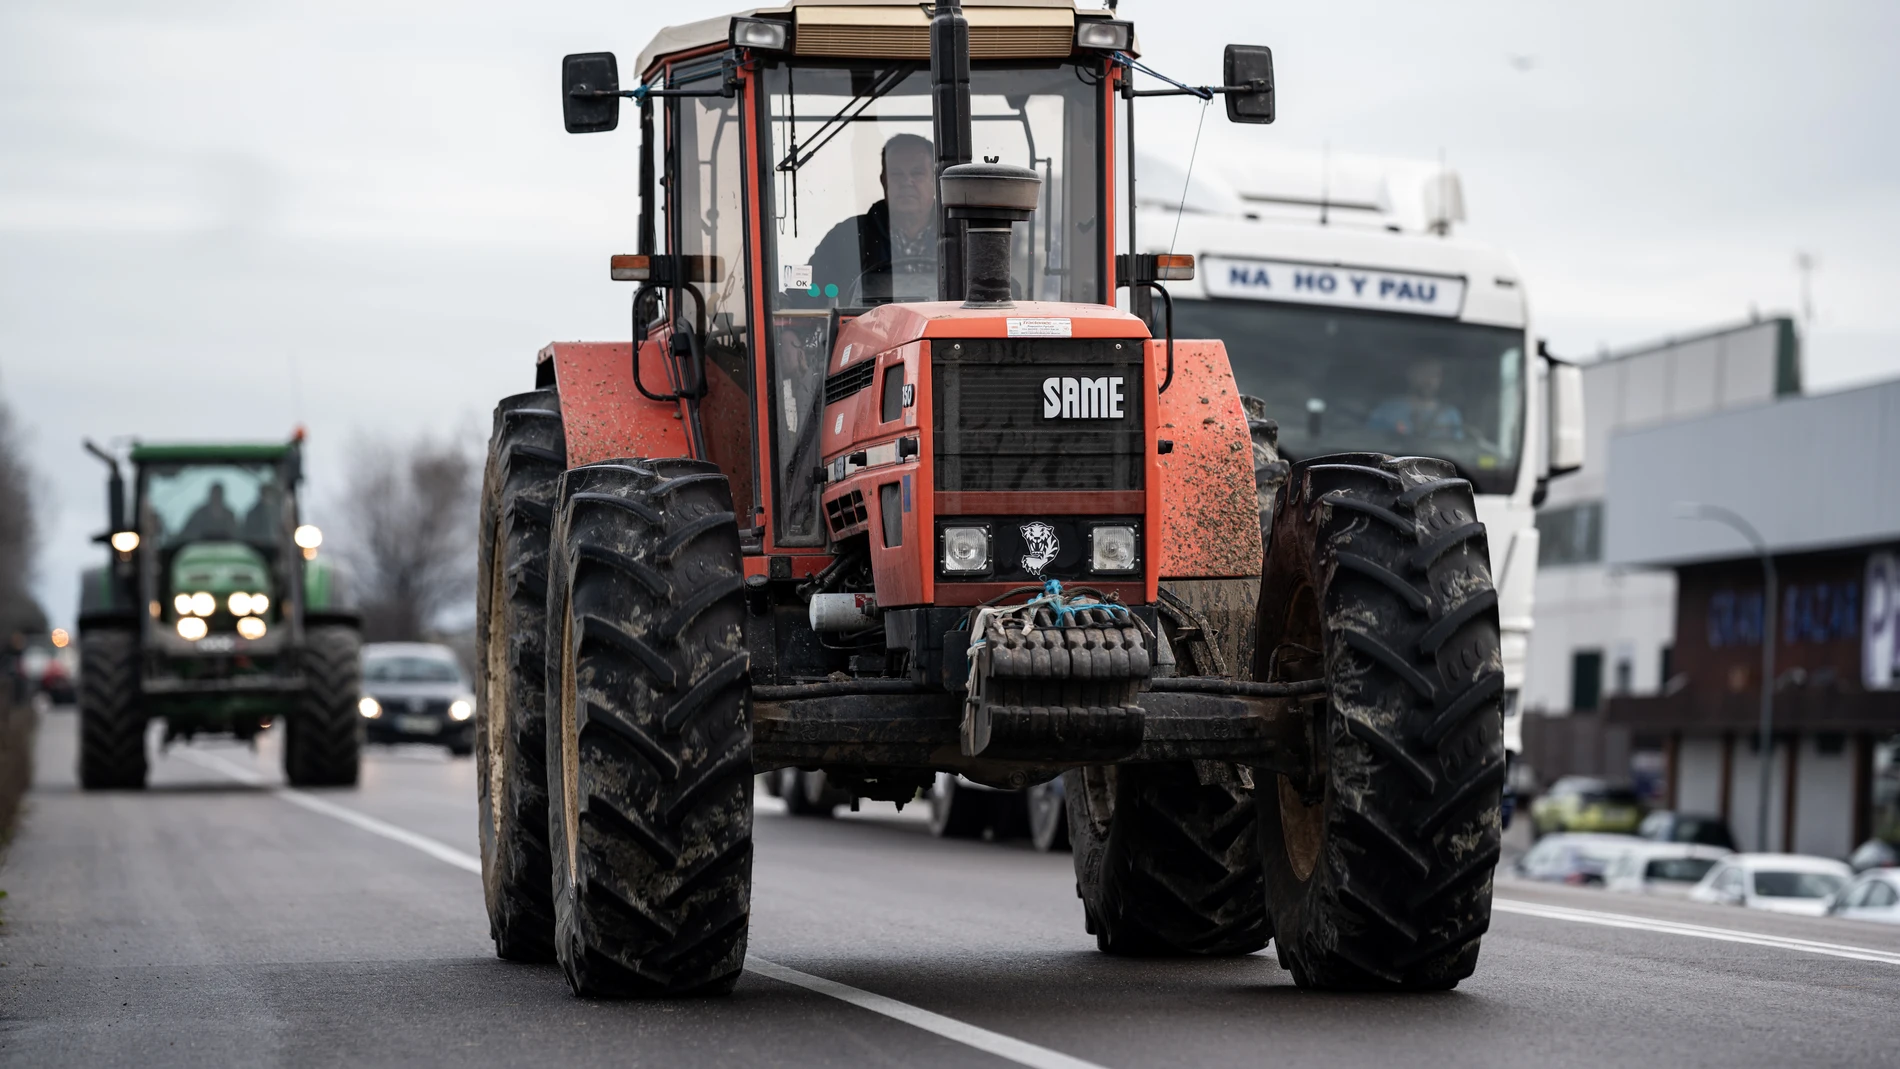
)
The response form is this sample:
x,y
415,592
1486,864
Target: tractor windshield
x,y
852,215
221,502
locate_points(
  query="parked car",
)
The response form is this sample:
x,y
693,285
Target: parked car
x,y
1666,868
1668,826
1575,858
1873,896
416,692
1873,854
1585,803
1780,883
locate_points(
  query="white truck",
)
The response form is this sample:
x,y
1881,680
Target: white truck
x,y
1352,310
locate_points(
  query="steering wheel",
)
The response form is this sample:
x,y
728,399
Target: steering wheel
x,y
889,269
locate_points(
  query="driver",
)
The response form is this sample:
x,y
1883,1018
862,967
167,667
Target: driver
x,y
897,237
1420,413
212,521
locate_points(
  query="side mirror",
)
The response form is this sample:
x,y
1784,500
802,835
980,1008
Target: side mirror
x,y
1247,74
590,92
1566,417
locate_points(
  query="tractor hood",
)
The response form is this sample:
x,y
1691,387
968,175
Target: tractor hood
x,y
220,568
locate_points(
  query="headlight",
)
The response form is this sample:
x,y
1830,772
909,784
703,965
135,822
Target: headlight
x,y
239,604
461,709
251,627
307,537
191,628
370,708
1112,549
125,541
260,604
203,604
1103,35
766,35
183,604
966,549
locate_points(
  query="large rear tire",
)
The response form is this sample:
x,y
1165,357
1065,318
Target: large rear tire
x,y
1165,864
649,739
1379,858
527,452
323,741
111,720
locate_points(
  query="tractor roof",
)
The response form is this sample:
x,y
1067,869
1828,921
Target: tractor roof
x,y
1014,29
208,452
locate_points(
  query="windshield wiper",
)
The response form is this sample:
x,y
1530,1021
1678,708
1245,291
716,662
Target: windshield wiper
x,y
886,82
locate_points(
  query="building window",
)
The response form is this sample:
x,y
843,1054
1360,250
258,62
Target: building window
x,y
1572,534
1586,680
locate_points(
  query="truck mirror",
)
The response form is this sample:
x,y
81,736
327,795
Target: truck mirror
x,y
590,92
1247,74
1566,417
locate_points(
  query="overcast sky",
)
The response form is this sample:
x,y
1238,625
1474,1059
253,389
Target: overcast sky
x,y
225,219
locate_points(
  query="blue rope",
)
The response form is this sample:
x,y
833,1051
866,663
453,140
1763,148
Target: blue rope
x,y
1202,91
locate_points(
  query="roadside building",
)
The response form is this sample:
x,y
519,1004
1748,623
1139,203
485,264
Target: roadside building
x,y
1815,476
1603,629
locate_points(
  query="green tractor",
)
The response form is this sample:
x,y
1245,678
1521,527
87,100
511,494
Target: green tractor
x,y
214,614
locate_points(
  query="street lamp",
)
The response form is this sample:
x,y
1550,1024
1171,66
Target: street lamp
x,y
1690,510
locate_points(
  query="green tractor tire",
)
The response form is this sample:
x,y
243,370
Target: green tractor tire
x,y
323,745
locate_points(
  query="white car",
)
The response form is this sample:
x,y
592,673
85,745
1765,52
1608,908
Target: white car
x,y
1780,883
1670,869
1873,896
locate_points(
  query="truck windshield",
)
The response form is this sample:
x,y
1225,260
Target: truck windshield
x,y
1350,381
223,502
852,216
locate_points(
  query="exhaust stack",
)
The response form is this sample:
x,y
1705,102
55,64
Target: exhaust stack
x,y
988,197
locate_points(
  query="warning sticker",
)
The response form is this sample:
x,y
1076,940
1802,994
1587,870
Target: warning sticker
x,y
1039,328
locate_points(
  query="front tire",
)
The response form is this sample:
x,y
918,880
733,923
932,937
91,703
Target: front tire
x,y
649,741
111,721
527,453
1379,857
323,741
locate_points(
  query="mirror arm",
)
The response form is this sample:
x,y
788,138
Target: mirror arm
x,y
1205,92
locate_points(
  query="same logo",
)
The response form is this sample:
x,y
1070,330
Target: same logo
x,y
1066,397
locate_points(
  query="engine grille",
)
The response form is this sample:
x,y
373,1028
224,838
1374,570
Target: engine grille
x,y
990,428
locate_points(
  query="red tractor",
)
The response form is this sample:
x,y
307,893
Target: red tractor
x,y
886,485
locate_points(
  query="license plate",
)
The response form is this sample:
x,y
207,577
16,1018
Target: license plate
x,y
418,725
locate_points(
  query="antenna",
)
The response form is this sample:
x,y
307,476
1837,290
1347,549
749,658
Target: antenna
x,y
1325,178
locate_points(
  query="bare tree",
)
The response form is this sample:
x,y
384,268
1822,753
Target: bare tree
x,y
410,509
18,611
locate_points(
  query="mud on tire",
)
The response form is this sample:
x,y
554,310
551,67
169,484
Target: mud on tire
x,y
649,737
527,452
111,722
323,739
1379,858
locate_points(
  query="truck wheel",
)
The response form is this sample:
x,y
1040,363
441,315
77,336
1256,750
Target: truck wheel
x,y
1164,864
649,735
956,813
1379,857
323,739
111,721
527,452
1048,816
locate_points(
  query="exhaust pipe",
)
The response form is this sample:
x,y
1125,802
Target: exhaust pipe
x,y
988,197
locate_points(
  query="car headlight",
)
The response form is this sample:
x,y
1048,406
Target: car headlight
x,y
203,604
461,709
1113,549
966,549
370,708
239,604
192,628
251,627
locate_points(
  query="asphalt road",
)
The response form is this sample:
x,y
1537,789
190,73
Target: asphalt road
x,y
218,919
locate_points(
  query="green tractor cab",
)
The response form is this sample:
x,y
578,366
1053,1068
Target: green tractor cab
x,y
215,614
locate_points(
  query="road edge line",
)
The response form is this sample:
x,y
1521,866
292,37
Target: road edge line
x,y
1019,1051
1692,931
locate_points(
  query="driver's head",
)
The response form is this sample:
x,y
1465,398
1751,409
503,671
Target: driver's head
x,y
909,177
1425,377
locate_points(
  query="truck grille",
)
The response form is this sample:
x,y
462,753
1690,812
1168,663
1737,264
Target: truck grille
x,y
990,424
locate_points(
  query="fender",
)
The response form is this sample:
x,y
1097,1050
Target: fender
x,y
603,414
1211,528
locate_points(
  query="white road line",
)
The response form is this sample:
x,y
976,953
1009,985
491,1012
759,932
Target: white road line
x,y
1694,931
1006,1047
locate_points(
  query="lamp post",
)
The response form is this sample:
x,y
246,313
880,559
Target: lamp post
x,y
1690,510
